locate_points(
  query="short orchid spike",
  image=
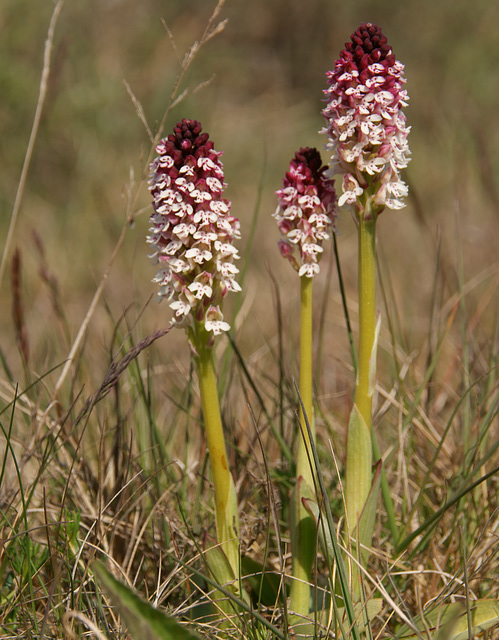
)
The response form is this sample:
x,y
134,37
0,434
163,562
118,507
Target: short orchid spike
x,y
305,215
192,231
305,212
365,122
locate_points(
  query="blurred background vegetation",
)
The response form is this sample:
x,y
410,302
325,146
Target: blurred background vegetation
x,y
266,73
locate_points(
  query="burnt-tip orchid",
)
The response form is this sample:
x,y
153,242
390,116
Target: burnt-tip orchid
x,y
305,212
366,126
192,234
192,231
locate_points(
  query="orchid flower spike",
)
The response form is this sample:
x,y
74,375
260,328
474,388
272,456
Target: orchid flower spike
x,y
192,231
305,212
365,122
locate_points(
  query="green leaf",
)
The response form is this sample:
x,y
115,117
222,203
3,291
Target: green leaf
x,y
301,493
361,487
359,475
324,532
372,359
450,622
142,620
265,585
368,517
220,568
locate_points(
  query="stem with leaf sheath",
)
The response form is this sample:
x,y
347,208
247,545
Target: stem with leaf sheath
x,y
226,514
364,389
303,526
359,476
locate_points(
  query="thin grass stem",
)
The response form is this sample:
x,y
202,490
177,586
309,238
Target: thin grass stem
x,y
275,431
34,133
345,307
430,522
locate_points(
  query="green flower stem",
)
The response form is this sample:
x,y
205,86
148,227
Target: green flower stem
x,y
303,465
358,481
303,534
226,514
367,318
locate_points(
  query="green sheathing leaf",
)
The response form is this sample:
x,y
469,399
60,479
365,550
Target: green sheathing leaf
x,y
451,622
358,469
219,566
368,517
265,584
142,620
361,489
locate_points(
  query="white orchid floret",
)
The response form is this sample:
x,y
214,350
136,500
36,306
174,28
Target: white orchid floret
x,y
215,322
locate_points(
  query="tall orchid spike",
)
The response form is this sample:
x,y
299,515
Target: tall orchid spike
x,y
305,211
192,231
192,234
365,122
